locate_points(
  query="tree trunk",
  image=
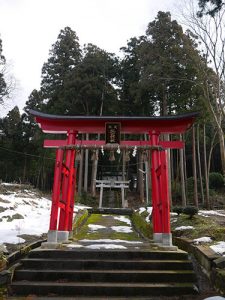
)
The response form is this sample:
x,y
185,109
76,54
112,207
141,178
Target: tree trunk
x,y
207,203
194,167
94,175
222,149
124,166
183,191
199,165
80,179
86,167
140,178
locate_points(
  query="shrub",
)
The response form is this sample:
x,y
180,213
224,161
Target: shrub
x,y
178,210
216,180
190,211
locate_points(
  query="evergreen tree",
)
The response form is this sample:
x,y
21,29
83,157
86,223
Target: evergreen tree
x,y
65,55
167,64
135,96
89,88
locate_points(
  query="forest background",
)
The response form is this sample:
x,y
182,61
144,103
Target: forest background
x,y
166,71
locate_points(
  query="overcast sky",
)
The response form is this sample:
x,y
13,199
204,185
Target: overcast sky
x,y
28,28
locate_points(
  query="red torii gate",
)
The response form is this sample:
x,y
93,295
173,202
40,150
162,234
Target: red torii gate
x,y
65,174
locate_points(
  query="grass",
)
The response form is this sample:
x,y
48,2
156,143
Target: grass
x,y
104,233
202,227
141,225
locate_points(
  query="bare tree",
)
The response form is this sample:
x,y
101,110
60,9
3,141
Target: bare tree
x,y
210,34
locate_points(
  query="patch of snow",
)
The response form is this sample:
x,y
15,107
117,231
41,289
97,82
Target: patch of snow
x,y
215,298
173,214
219,248
204,239
95,227
10,184
124,229
105,246
80,207
110,241
206,213
149,209
34,211
123,219
74,246
184,228
141,210
173,221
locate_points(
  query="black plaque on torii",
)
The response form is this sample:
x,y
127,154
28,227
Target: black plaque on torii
x,y
112,133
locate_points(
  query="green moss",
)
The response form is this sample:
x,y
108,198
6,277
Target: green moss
x,y
141,225
219,279
202,227
79,220
106,232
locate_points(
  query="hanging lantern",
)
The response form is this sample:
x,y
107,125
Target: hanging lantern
x,y
111,155
78,155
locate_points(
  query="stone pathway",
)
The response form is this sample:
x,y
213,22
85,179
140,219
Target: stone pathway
x,y
104,231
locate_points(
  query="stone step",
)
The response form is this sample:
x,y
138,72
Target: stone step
x,y
100,288
108,254
147,276
93,264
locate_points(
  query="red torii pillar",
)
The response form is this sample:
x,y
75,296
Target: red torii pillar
x,y
160,192
64,185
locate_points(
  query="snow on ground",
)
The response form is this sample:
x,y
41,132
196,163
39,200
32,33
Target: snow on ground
x,y
22,213
149,211
80,207
141,210
123,219
110,241
123,229
219,248
206,213
184,228
105,246
201,240
95,227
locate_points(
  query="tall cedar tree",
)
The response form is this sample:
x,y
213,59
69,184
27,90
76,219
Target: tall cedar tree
x,y
159,71
90,87
135,97
65,55
167,66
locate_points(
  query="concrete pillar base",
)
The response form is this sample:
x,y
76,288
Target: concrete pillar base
x,y
167,239
71,234
47,245
62,236
157,238
52,236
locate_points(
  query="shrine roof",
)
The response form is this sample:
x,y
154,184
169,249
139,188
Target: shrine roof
x,y
129,124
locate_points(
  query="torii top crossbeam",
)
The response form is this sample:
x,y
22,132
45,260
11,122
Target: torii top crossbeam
x,y
96,124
